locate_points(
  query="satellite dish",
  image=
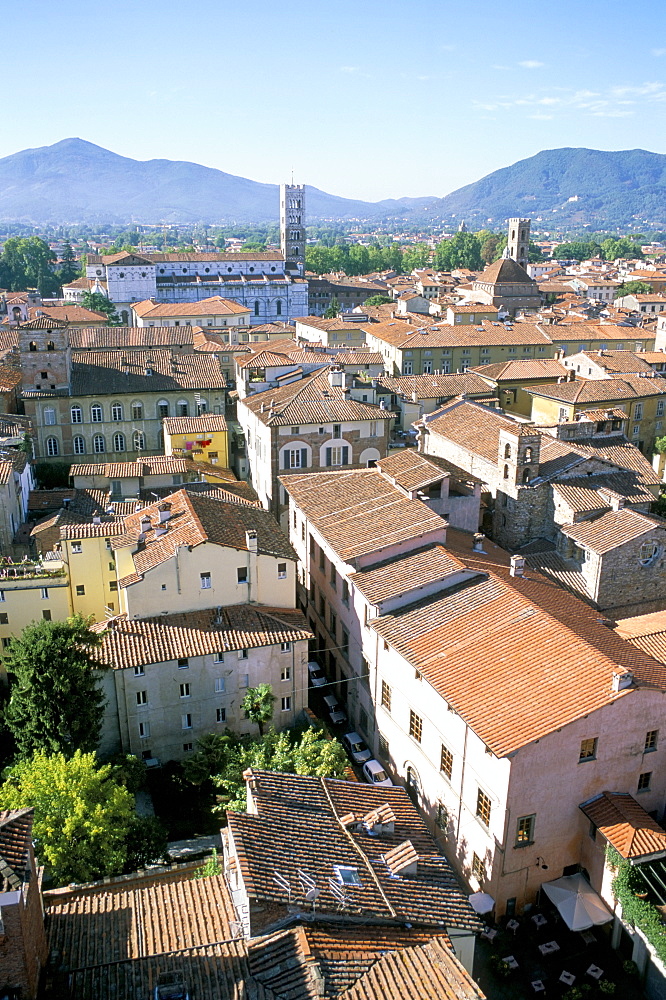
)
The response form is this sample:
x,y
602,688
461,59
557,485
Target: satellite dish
x,y
312,894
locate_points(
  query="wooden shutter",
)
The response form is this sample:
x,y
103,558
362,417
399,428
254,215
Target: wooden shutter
x,y
345,456
328,456
304,458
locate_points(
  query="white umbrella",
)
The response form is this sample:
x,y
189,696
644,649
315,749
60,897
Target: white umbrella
x,y
578,904
481,902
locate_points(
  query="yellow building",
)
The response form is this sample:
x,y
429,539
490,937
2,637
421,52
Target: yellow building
x,y
203,439
92,566
31,592
510,380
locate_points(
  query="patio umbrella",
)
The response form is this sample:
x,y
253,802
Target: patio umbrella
x,y
481,902
578,904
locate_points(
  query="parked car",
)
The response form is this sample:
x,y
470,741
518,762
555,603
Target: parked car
x,y
375,773
334,710
356,748
316,675
171,986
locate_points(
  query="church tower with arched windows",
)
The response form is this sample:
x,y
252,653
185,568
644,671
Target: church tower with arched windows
x,y
518,458
292,227
46,356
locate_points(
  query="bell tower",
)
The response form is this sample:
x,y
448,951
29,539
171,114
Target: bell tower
x,y
46,355
518,457
518,242
292,227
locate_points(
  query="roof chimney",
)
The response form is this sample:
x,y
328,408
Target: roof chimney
x,y
164,510
251,540
336,377
145,523
97,519
477,542
517,566
622,680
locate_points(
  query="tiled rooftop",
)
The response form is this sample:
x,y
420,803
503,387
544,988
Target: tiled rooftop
x,y
411,469
614,527
203,424
646,632
213,306
602,389
408,573
15,844
155,465
310,400
626,825
124,337
436,386
509,371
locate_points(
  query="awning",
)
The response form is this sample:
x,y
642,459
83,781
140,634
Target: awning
x,y
578,904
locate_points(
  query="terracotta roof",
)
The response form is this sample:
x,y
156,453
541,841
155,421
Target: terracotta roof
x,y
429,972
123,337
264,359
611,529
506,271
411,469
616,361
360,358
407,573
155,465
213,306
486,334
586,331
310,400
435,386
15,846
296,826
197,518
562,657
71,313
128,643
510,371
95,372
204,424
646,632
477,426
41,500
626,825
14,425
602,389
360,512
204,257
586,493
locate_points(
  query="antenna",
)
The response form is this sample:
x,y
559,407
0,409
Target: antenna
x,y
308,884
338,892
282,882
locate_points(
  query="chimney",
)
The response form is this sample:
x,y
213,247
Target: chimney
x,y
571,375
415,397
97,519
66,502
141,542
164,510
251,540
336,377
145,524
517,566
622,680
477,542
161,529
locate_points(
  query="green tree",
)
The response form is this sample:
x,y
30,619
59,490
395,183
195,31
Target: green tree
x,y
69,269
82,817
490,247
258,705
146,843
621,249
333,309
99,303
210,867
378,300
28,263
633,288
576,251
462,250
660,445
55,704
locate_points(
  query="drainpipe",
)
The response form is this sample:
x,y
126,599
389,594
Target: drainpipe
x,y
462,780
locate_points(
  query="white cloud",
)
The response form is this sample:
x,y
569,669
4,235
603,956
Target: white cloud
x,y
617,102
349,69
658,52
530,64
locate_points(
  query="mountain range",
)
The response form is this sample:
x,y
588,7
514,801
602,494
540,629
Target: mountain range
x,y
76,181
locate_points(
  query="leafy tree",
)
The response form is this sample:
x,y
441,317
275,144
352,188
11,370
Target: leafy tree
x,y
28,263
258,705
253,245
622,248
55,705
211,867
82,816
333,309
660,445
491,247
633,288
146,843
69,269
378,300
576,251
462,250
99,303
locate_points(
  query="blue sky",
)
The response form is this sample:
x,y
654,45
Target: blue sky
x,y
363,99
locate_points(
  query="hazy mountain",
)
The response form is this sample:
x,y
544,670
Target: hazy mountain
x,y
77,181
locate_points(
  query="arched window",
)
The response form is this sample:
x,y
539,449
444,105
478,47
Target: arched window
x,y
32,346
648,553
528,454
52,446
79,445
507,451
96,414
162,408
50,346
98,444
256,307
182,407
49,416
117,411
139,441
413,785
506,471
202,406
137,410
77,415
119,442
278,307
526,476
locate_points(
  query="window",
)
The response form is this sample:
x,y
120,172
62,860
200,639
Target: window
x,y
142,697
186,720
241,574
96,413
638,411
442,817
117,412
220,715
45,593
282,571
651,738
336,430
242,655
52,446
478,869
660,408
119,442
648,553
285,673
49,416
98,444
46,615
181,408
295,430
644,781
345,593
185,691
183,662
139,441
77,415
415,726
525,830
80,590
2,596
144,730
285,647
588,749
337,456
344,643
204,581
188,747
220,685
483,807
386,696
446,762
4,618
139,671
333,624
286,704
162,408
346,875
79,445
137,411
244,681
382,746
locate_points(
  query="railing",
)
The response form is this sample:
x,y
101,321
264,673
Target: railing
x,y
27,570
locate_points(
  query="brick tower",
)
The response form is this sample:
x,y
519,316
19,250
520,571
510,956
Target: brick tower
x,y
292,226
518,242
